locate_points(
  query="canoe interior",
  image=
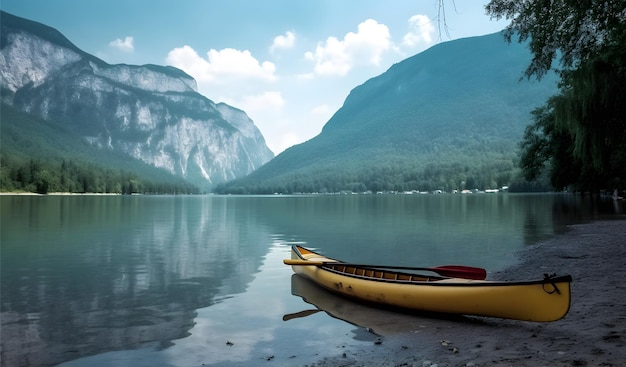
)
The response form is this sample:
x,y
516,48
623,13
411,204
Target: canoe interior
x,y
381,274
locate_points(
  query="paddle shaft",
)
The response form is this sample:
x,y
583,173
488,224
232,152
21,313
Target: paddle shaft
x,y
295,315
453,271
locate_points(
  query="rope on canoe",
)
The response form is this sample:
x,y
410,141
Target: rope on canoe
x,y
548,280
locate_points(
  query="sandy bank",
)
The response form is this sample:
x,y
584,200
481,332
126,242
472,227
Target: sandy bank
x,y
593,333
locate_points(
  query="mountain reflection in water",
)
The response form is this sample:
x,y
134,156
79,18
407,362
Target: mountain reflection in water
x,y
170,280
88,275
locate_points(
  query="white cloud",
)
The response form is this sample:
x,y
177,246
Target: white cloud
x,y
125,44
187,59
283,41
421,31
338,57
240,63
267,101
221,67
236,78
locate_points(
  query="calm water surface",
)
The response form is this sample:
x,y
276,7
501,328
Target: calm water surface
x,y
199,280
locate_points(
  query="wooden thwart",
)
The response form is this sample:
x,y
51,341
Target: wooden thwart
x,y
451,271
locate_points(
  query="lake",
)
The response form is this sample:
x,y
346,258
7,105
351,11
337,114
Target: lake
x,y
199,280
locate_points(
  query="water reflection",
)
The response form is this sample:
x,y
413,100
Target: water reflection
x,y
479,230
86,275
170,280
244,329
374,320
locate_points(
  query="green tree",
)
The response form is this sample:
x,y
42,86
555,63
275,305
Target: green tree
x,y
580,134
573,30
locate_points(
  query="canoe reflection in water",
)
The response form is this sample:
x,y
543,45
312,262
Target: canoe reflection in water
x,y
375,320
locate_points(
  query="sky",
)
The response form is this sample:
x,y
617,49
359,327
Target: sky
x,y
289,64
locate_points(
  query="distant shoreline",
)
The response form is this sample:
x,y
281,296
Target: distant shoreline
x,y
59,194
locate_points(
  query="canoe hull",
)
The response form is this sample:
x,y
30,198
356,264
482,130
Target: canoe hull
x,y
544,300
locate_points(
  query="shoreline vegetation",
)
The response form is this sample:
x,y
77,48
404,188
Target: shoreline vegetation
x,y
75,194
615,195
593,333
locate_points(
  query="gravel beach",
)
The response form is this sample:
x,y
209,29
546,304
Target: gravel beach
x,y
593,333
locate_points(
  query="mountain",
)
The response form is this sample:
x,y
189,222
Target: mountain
x,y
448,118
151,113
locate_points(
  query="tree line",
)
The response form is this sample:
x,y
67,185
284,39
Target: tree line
x,y
48,176
43,157
390,176
578,138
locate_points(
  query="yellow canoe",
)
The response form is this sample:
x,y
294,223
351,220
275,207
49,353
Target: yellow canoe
x,y
542,300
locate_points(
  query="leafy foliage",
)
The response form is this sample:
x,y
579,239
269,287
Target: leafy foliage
x,y
37,157
579,136
575,30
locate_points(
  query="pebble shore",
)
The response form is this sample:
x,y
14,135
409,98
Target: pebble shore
x,y
593,333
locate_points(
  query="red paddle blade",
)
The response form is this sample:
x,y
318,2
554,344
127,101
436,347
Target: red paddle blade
x,y
461,271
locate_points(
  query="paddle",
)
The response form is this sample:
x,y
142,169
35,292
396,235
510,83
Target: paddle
x,y
295,315
452,271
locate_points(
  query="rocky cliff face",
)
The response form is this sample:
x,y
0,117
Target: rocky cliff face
x,y
152,113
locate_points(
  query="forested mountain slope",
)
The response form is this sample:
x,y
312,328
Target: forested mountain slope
x,y
38,157
448,118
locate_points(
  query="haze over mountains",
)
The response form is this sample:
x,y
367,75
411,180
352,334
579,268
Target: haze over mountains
x,y
448,118
150,113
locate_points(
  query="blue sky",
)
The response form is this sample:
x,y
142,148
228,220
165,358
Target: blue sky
x,y
289,64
